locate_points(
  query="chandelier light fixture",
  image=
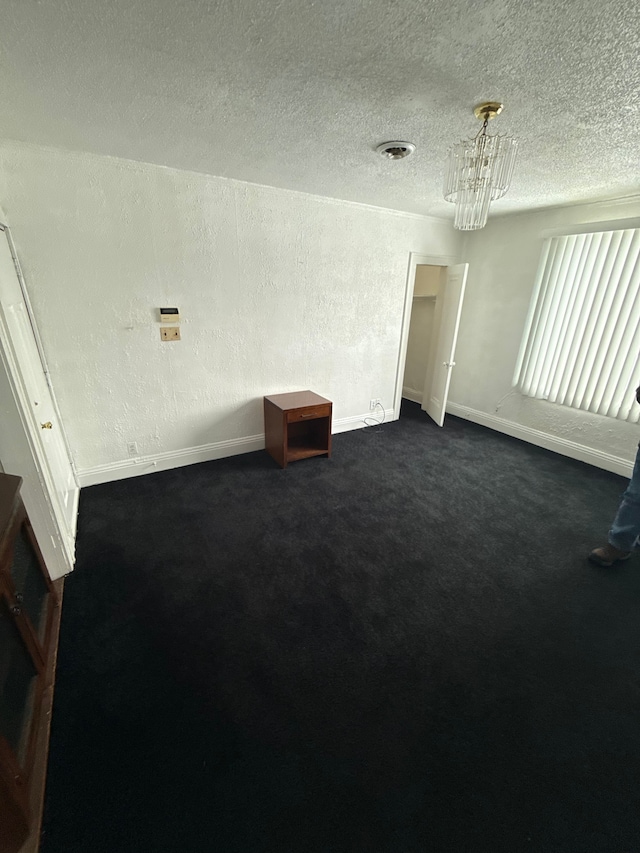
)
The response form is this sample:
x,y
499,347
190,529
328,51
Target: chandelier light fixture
x,y
479,171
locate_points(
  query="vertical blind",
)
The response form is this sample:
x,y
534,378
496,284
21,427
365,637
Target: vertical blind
x,y
581,346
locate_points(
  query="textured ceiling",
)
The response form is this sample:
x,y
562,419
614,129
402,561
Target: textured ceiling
x,y
297,94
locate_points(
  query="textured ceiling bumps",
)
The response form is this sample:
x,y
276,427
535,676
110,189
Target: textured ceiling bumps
x,y
298,94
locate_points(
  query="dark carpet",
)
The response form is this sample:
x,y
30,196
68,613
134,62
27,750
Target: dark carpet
x,y
399,649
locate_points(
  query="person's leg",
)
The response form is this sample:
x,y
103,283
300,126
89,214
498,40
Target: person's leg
x,y
624,536
625,529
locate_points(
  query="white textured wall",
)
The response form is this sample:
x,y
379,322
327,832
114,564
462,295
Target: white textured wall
x,y
277,290
503,260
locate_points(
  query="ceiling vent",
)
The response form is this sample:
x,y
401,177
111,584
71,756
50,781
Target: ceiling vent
x,y
395,150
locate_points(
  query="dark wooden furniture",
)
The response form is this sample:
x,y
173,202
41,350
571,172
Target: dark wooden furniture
x,y
297,426
29,624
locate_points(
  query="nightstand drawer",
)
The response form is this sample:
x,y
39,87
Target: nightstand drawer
x,y
308,414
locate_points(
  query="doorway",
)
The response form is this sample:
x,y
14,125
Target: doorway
x,y
435,292
421,331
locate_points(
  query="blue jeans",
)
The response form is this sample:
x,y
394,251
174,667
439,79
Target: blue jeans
x,y
625,530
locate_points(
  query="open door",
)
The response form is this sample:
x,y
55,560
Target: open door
x,y
49,481
448,310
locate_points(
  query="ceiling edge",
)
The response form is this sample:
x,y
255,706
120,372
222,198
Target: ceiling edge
x,y
138,164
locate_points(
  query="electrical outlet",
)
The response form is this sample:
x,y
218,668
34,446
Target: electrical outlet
x,y
132,448
373,404
170,333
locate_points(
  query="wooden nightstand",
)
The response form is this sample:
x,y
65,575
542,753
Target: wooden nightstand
x,y
297,426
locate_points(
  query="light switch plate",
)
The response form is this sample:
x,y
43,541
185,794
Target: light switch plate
x,y
170,333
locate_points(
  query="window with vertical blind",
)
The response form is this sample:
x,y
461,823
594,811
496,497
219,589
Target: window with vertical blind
x,y
581,346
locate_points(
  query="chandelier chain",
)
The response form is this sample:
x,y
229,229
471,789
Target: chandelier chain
x,y
483,129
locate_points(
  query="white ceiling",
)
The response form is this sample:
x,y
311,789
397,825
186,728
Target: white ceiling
x,y
297,93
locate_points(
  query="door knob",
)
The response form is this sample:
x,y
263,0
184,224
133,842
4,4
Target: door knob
x,y
47,425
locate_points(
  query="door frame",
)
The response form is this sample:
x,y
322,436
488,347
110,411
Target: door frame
x,y
12,372
415,259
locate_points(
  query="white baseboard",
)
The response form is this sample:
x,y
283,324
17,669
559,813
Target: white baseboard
x,y
221,449
204,453
413,395
565,447
171,459
361,421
